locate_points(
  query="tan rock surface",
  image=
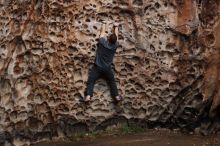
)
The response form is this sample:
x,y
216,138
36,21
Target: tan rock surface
x,y
167,65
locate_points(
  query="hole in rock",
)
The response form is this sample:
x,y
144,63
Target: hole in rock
x,y
138,2
152,47
210,39
88,20
95,27
157,5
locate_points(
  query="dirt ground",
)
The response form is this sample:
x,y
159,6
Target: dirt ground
x,y
150,138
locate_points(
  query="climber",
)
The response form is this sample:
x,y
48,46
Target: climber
x,y
106,49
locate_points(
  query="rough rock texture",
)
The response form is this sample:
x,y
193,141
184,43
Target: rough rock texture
x,y
167,66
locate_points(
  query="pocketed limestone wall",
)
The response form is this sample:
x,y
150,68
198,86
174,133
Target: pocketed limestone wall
x,y
167,66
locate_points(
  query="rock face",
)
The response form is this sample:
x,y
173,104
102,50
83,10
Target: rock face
x,y
167,66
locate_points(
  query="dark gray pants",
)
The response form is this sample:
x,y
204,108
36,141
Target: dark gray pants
x,y
97,72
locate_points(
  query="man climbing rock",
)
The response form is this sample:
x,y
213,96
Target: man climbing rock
x,y
105,52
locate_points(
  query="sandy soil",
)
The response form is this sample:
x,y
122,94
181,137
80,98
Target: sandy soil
x,y
150,138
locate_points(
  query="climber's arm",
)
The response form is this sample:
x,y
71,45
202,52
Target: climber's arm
x,y
102,33
115,31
